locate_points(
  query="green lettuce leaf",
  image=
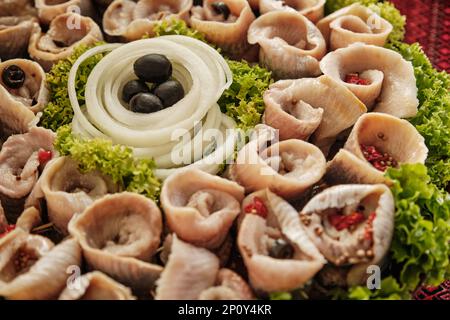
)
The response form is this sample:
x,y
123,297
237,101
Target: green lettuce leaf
x,y
58,111
243,101
116,161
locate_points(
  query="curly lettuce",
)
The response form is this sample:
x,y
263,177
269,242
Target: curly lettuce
x,y
116,161
243,101
421,244
176,27
58,111
433,118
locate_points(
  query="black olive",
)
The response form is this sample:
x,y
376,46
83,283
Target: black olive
x,y
132,88
281,250
13,76
145,103
170,92
198,2
153,67
221,8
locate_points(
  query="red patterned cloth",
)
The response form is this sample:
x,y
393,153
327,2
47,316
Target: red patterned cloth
x,y
441,292
428,22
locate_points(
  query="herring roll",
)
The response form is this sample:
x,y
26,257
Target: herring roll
x,y
15,32
20,165
351,225
65,32
50,9
288,168
320,107
290,45
274,245
199,207
32,92
376,142
311,9
355,23
129,20
119,235
68,191
225,24
381,78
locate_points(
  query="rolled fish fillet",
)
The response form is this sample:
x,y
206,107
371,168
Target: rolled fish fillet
x,y
291,45
131,20
229,286
15,32
119,235
351,225
274,245
287,168
189,271
17,8
19,167
96,286
199,207
32,268
65,32
33,94
355,23
311,9
68,191
376,142
227,30
318,106
50,9
391,84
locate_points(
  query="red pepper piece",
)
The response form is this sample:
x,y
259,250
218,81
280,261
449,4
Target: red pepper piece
x,y
257,207
368,230
44,156
381,161
341,222
8,229
354,78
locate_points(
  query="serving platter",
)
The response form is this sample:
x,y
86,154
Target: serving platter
x,y
217,150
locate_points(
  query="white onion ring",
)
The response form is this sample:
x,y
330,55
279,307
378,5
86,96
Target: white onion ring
x,y
204,75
